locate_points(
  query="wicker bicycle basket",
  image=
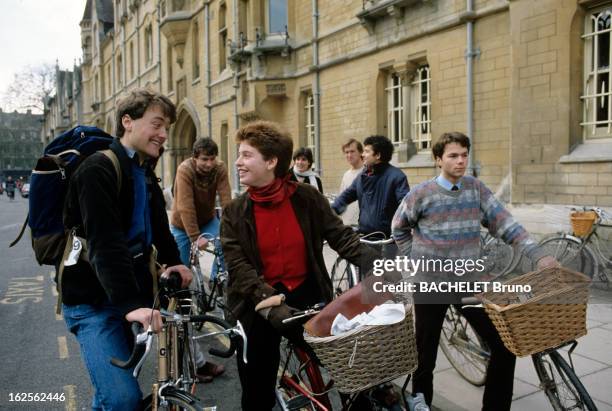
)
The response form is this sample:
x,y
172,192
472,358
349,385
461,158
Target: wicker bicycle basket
x,y
553,312
369,355
582,222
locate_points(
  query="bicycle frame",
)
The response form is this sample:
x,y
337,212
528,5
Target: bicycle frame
x,y
318,396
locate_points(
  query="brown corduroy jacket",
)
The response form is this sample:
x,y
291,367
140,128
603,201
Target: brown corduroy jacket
x,y
246,287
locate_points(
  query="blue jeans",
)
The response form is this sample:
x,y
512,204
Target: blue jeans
x,y
101,332
184,243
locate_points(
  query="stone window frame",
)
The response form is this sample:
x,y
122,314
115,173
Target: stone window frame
x,y
195,50
419,108
223,36
396,107
148,39
583,149
409,152
309,121
593,126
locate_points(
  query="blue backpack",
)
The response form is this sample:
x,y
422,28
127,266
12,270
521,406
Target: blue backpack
x,y
49,186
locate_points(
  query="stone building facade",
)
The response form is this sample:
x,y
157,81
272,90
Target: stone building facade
x,y
540,112
20,142
64,109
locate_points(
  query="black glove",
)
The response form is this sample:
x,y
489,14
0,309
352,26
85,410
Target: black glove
x,y
276,315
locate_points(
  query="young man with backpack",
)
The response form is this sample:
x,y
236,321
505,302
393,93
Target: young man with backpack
x,y
122,220
440,220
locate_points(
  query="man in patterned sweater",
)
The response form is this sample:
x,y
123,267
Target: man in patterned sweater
x,y
440,220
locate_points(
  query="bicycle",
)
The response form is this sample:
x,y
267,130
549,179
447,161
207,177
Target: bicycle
x,y
211,290
557,377
583,253
499,257
303,385
345,275
175,385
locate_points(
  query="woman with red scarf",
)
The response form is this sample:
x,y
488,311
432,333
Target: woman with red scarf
x,y
272,238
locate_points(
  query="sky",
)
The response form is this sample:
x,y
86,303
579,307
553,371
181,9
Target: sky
x,y
33,32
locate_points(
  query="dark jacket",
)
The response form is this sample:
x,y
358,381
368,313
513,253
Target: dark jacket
x,y
379,194
103,216
246,285
293,177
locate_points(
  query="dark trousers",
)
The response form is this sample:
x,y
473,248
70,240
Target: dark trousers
x,y
500,372
258,376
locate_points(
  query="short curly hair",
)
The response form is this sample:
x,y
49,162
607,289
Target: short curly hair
x,y
136,104
380,145
271,141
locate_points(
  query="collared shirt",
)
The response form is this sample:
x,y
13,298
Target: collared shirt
x,y
444,183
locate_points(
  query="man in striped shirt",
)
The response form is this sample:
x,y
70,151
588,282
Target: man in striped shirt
x,y
439,220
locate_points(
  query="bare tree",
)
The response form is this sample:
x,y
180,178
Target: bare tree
x,y
30,86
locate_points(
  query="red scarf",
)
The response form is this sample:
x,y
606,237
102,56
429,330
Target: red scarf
x,y
274,193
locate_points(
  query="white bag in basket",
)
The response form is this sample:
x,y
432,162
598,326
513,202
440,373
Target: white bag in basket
x,y
383,314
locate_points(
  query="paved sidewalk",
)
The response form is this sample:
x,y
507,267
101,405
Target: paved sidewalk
x,y
592,361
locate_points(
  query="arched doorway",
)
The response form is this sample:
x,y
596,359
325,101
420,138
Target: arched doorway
x,y
183,137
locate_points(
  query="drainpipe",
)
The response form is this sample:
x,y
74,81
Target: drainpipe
x,y
236,87
159,76
208,73
470,54
138,44
317,84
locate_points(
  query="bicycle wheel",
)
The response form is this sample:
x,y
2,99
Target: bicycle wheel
x,y
572,254
175,401
560,383
498,256
301,385
342,275
465,350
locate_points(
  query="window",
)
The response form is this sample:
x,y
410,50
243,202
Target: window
x,y
597,97
170,78
222,37
109,81
223,137
119,71
148,38
96,88
395,108
277,16
195,52
421,109
309,121
243,19
94,51
131,60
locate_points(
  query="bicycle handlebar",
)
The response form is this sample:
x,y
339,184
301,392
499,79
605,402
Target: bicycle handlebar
x,y
471,301
236,335
171,283
215,320
377,242
309,312
142,346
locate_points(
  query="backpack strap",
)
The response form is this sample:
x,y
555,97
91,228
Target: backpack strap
x,y
110,154
23,227
115,160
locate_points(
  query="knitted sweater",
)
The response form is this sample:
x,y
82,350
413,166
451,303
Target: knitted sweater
x,y
194,196
434,223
